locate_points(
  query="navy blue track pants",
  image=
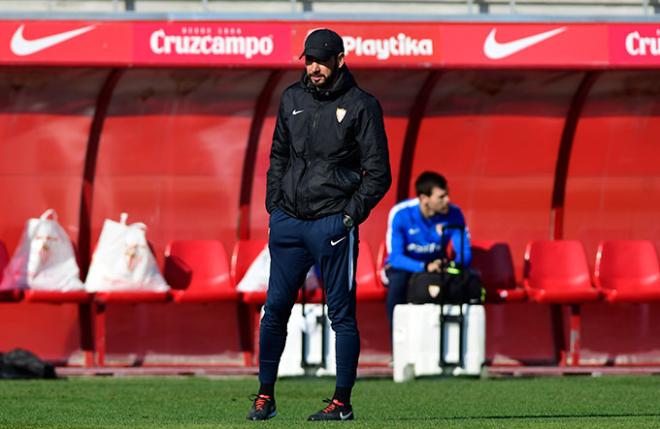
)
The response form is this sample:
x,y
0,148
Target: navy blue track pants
x,y
295,245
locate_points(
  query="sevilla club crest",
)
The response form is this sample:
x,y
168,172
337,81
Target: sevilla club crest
x,y
340,114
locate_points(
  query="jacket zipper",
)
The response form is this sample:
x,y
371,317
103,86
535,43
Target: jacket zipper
x,y
312,133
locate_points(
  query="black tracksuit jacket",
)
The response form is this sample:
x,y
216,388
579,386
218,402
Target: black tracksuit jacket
x,y
329,152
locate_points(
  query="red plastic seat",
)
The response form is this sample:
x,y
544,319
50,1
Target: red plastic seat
x,y
243,254
9,295
198,271
41,296
57,297
369,288
494,262
132,296
101,299
245,251
556,272
628,271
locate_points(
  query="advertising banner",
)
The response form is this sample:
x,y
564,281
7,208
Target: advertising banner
x,y
526,45
367,44
635,45
207,43
66,42
376,44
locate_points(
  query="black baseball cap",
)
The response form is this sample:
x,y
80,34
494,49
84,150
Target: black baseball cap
x,y
323,44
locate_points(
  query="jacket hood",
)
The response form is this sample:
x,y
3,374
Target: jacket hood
x,y
343,83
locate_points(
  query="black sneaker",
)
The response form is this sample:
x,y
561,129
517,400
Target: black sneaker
x,y
263,407
334,411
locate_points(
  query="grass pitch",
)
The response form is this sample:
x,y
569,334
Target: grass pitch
x,y
150,403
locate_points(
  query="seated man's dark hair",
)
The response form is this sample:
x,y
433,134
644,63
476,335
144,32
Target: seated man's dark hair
x,y
427,181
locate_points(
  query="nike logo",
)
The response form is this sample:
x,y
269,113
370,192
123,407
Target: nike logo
x,y
345,416
22,47
413,231
496,50
295,112
336,242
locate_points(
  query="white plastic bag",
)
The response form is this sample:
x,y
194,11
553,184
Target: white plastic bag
x,y
257,275
123,260
44,258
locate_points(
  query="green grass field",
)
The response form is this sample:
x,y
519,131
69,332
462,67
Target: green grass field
x,y
562,402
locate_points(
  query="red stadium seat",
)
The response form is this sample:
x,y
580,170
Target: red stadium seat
x,y
57,297
51,297
245,251
41,296
369,287
628,271
10,295
494,262
198,271
132,296
556,272
101,299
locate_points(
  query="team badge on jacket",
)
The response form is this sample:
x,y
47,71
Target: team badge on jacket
x,y
340,114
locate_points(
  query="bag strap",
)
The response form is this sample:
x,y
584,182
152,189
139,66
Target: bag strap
x,y
49,214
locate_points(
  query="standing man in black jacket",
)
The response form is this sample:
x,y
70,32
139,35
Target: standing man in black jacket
x,y
329,166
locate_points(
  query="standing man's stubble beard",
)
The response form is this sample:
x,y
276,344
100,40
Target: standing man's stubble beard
x,y
328,81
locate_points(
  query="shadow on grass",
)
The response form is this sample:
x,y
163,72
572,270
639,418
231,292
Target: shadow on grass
x,y
532,417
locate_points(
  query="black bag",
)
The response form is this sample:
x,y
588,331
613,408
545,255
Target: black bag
x,y
425,288
464,287
19,363
453,285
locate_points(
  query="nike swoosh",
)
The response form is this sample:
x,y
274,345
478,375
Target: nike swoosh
x,y
496,50
295,112
345,416
334,243
22,47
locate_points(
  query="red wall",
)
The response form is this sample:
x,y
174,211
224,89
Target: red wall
x,y
613,187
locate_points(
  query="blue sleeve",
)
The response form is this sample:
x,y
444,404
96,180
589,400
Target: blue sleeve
x,y
397,246
463,256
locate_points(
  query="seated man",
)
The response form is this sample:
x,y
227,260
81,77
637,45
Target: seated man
x,y
419,233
